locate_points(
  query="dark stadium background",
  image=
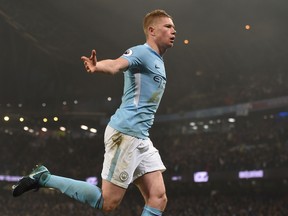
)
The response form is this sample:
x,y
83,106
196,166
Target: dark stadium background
x,y
224,109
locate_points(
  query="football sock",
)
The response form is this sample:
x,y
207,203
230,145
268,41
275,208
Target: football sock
x,y
149,211
79,190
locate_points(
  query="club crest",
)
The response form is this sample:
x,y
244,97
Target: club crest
x,y
123,176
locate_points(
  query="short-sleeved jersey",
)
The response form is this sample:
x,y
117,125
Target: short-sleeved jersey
x,y
144,84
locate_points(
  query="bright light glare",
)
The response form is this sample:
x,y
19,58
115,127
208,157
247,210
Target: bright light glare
x,y
93,130
247,27
186,41
62,128
84,127
192,123
231,120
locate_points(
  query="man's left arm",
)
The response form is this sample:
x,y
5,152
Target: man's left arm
x,y
110,66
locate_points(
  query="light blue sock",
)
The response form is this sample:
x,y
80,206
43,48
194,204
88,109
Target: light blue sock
x,y
79,190
149,211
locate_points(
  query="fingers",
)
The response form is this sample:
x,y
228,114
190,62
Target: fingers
x,y
89,62
86,62
93,57
87,67
84,58
93,54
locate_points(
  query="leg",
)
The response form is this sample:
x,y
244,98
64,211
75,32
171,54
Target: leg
x,y
106,200
79,190
152,188
112,195
83,191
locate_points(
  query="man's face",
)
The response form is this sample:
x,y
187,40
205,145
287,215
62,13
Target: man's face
x,y
164,32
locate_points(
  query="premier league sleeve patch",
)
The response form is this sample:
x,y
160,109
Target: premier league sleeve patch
x,y
128,52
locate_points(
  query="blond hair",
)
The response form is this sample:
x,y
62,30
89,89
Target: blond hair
x,y
150,18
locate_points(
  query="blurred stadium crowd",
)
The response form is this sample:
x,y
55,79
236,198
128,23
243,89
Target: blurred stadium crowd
x,y
52,203
257,141
225,88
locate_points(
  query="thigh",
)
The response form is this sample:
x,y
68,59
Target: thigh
x,y
112,195
152,188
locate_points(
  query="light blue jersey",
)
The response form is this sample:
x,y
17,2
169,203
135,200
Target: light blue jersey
x,y
144,84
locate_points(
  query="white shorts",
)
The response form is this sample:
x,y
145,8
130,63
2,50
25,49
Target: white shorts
x,y
126,158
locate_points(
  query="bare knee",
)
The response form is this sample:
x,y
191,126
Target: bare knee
x,y
163,201
158,201
111,201
153,190
110,205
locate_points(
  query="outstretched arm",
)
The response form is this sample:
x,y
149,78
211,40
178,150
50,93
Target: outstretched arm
x,y
111,66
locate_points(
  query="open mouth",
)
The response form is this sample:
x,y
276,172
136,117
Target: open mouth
x,y
172,39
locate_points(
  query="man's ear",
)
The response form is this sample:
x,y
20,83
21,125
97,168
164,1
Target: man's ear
x,y
151,30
